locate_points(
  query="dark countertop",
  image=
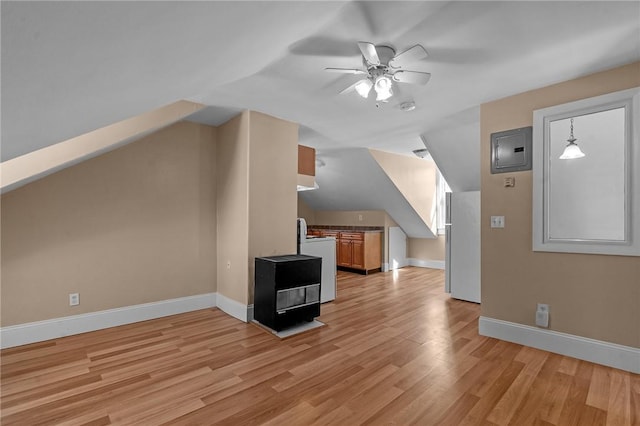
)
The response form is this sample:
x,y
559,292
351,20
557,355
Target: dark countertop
x,y
347,228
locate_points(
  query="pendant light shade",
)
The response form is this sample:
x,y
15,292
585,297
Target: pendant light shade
x,y
572,150
383,88
364,87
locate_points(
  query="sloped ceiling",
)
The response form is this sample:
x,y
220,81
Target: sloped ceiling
x,y
69,68
454,146
366,187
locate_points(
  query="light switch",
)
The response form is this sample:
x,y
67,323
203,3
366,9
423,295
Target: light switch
x,y
497,221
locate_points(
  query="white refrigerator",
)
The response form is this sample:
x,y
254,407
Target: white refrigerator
x,y
462,256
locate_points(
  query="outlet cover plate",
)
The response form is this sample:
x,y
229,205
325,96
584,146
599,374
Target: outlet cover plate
x,y
497,221
74,299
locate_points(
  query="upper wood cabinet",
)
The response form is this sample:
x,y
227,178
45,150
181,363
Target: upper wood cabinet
x,y
306,160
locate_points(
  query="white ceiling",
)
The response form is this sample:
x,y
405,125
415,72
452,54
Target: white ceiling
x,y
72,67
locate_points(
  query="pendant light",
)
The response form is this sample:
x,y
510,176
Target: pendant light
x,y
363,87
572,150
383,88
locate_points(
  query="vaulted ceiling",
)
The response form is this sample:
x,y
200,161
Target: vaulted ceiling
x,y
69,68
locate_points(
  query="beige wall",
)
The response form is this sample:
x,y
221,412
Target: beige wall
x,y
594,296
350,217
257,173
305,211
273,172
232,185
426,248
157,219
131,226
415,179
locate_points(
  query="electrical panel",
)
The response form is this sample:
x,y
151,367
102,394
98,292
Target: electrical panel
x,y
511,150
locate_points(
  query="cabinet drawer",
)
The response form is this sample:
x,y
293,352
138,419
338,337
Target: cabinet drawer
x,y
327,233
352,236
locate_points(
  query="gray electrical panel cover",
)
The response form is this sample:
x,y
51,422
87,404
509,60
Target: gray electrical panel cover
x,y
511,150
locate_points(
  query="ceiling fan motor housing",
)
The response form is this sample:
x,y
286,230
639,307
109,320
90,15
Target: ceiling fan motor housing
x,y
385,54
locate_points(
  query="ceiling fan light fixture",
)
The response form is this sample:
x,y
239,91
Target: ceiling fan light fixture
x,y
383,88
363,87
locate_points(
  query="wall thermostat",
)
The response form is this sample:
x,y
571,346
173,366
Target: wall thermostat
x,y
511,150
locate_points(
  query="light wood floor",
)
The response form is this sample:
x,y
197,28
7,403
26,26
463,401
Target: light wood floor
x,y
396,350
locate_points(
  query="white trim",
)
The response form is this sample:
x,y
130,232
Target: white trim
x,y
22,334
610,354
426,263
542,241
385,267
232,307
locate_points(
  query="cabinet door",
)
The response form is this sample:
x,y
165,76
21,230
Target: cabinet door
x,y
357,260
344,253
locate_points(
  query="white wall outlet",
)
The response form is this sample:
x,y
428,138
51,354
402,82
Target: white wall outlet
x,y
360,217
542,315
497,221
509,182
74,299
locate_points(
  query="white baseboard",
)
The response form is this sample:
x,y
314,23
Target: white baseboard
x,y
234,308
22,334
433,264
610,354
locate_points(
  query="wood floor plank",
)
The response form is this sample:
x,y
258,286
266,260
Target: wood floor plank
x,y
575,403
599,387
490,398
395,350
521,388
619,406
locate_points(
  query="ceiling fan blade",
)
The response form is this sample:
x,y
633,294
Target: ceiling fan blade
x,y
351,88
413,54
411,77
346,70
369,52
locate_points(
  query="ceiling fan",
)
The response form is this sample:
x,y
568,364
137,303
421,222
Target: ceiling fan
x,y
382,67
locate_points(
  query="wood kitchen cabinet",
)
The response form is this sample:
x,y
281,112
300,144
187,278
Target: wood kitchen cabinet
x,y
357,255
345,253
360,250
330,233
